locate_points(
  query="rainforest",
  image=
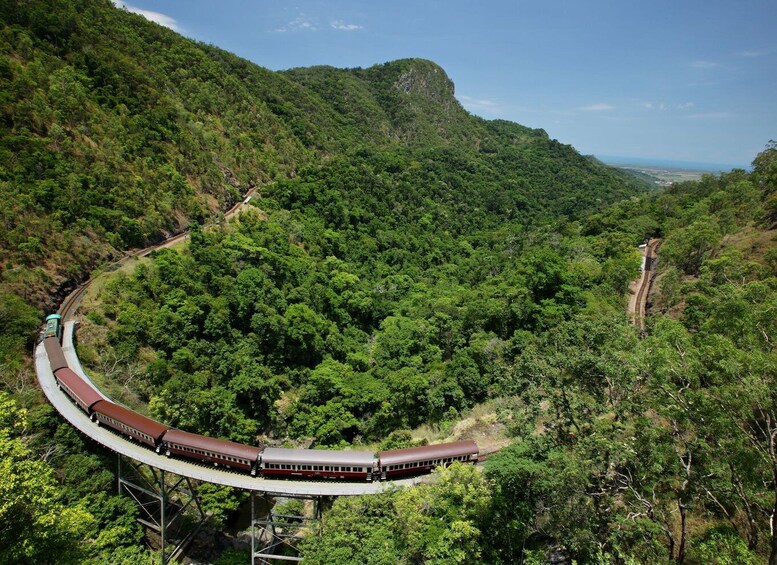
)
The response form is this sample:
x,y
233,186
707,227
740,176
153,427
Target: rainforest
x,y
404,273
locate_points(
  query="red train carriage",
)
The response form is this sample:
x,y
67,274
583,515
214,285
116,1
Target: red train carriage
x,y
130,423
55,354
211,450
416,460
77,389
319,463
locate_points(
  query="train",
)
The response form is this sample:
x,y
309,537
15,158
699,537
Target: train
x,y
270,462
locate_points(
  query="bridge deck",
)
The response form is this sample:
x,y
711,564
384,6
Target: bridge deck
x,y
181,467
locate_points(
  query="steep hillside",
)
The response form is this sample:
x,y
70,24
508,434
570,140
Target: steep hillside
x,y
112,139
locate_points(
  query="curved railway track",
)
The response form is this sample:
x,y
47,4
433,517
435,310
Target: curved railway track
x,y
184,468
181,467
71,302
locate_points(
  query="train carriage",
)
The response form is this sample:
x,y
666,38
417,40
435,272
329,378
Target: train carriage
x,y
55,354
414,460
316,463
77,389
211,450
130,423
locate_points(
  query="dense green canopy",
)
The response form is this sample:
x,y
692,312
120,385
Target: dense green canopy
x,y
402,262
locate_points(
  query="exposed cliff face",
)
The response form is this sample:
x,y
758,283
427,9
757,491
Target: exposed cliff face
x,y
405,102
426,79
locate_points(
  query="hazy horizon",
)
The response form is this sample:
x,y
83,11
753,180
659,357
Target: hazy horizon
x,y
671,163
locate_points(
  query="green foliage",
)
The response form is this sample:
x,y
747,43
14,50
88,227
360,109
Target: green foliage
x,y
404,260
34,522
722,546
18,324
439,523
220,502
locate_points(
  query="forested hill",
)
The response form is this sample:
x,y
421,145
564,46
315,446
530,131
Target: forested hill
x,y
115,131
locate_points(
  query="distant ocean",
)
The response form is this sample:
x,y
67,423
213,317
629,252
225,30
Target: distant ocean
x,y
669,164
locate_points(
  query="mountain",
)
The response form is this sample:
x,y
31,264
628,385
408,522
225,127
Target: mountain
x,y
114,140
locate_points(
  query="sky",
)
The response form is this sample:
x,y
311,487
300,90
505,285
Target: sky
x,y
683,80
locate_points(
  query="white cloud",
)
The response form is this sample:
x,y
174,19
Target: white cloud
x,y
301,23
600,107
753,53
342,26
685,105
704,65
649,105
711,116
156,17
480,105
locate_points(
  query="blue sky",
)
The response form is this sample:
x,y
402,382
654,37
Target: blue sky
x,y
684,79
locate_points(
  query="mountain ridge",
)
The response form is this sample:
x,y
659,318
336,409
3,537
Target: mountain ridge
x,y
113,141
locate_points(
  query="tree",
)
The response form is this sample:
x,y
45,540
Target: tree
x,y
34,525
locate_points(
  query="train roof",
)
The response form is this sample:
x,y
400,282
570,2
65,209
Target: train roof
x,y
131,419
55,353
53,317
427,452
79,386
213,444
318,457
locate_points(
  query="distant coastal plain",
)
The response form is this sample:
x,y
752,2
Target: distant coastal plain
x,y
666,172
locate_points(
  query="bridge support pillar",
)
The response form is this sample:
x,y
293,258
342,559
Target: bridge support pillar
x,y
276,530
168,504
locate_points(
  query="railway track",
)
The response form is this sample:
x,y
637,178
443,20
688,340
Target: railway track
x,y
638,304
71,302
